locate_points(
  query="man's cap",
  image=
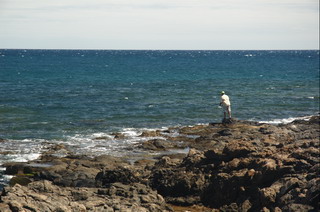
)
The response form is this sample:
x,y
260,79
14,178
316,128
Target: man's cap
x,y
222,92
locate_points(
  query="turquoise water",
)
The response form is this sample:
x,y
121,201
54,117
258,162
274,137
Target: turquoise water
x,y
73,96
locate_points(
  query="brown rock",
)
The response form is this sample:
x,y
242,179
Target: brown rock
x,y
243,166
35,197
157,144
156,133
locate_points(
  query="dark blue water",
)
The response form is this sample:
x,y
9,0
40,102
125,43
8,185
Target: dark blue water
x,y
48,94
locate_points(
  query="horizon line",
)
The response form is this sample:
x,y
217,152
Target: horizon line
x,y
97,49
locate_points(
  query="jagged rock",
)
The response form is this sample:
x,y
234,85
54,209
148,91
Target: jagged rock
x,y
120,174
178,184
194,158
166,161
183,184
243,166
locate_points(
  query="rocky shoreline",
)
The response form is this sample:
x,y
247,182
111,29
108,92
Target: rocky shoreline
x,y
238,166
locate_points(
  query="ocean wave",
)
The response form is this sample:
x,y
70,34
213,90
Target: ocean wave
x,y
91,144
285,120
22,150
25,157
120,143
116,144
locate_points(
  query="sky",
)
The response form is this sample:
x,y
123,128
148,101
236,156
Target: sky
x,y
160,24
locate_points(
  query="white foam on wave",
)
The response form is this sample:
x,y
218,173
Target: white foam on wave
x,y
102,135
105,143
26,157
134,132
286,120
90,144
6,178
22,150
131,132
19,151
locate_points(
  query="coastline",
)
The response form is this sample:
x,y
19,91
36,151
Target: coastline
x,y
115,143
245,166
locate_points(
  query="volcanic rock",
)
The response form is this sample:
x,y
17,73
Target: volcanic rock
x,y
241,166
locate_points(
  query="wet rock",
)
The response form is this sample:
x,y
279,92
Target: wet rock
x,y
228,121
14,168
21,180
119,135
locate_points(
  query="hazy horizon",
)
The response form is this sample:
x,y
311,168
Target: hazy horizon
x,y
160,25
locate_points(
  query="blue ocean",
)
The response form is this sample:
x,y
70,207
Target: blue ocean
x,y
75,96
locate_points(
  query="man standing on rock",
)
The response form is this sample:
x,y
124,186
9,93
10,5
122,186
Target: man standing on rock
x,y
225,103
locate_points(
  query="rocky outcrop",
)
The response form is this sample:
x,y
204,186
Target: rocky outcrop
x,y
79,183
260,167
45,196
241,166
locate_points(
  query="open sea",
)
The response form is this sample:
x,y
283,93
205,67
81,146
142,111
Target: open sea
x,y
73,97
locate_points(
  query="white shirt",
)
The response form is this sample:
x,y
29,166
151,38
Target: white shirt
x,y
225,100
